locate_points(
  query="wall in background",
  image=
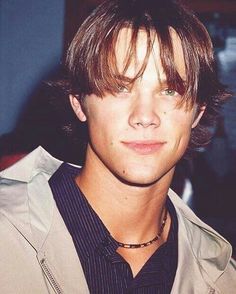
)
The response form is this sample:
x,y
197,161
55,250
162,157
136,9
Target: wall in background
x,y
31,38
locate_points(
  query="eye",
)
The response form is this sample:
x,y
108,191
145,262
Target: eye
x,y
123,89
169,92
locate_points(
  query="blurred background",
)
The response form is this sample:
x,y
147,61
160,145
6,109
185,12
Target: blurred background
x,y
34,36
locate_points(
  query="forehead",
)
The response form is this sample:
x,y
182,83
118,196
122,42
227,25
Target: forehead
x,y
124,50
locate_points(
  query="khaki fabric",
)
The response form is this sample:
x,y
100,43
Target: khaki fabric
x,y
37,254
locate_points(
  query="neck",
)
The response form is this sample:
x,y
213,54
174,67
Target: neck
x,y
132,214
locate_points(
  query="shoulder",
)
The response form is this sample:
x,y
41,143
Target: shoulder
x,y
38,161
26,200
25,181
24,189
210,251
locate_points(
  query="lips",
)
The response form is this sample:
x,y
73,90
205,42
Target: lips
x,y
144,147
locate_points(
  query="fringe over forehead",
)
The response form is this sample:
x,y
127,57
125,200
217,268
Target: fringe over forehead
x,y
91,58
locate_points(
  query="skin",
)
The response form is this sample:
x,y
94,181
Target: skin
x,y
136,138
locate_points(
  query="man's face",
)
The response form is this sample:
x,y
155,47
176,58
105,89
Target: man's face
x,y
139,134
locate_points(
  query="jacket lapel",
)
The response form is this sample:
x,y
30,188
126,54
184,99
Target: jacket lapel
x,y
203,254
26,198
27,202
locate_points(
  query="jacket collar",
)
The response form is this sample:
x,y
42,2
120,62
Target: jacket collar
x,y
209,248
34,163
25,196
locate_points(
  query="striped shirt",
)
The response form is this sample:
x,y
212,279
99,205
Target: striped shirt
x,y
105,270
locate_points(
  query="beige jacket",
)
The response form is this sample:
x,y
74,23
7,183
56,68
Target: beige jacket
x,y
37,254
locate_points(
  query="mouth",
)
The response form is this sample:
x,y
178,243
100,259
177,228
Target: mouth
x,y
144,147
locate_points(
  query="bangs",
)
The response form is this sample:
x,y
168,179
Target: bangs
x,y
114,78
105,77
92,61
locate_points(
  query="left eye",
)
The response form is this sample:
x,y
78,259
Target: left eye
x,y
123,89
169,92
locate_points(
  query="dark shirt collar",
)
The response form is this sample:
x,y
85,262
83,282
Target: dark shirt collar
x,y
93,233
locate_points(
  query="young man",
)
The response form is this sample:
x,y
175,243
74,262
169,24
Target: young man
x,y
141,76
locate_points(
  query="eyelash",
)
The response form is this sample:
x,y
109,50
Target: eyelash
x,y
165,92
123,90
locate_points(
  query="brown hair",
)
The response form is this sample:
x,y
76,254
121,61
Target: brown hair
x,y
91,59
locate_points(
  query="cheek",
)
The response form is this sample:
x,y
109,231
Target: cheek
x,y
182,120
101,130
181,126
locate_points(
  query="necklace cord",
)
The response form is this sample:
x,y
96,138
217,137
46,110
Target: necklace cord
x,y
145,244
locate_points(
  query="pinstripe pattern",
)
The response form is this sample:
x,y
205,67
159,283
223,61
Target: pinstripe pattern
x,y
105,270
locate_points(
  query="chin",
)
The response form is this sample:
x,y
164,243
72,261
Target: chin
x,y
140,178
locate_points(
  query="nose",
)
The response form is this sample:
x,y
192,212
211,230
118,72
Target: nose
x,y
143,114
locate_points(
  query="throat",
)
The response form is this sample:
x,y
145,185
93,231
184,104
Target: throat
x,y
137,258
148,243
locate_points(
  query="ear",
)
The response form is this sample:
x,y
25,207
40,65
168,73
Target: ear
x,y
76,105
199,113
